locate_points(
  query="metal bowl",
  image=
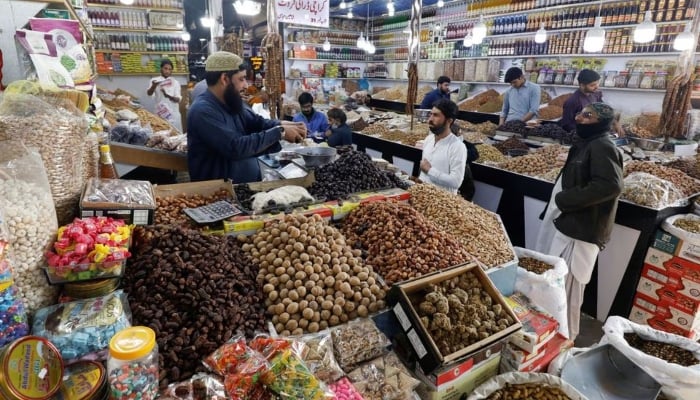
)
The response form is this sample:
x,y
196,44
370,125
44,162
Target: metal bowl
x,y
422,114
317,156
647,144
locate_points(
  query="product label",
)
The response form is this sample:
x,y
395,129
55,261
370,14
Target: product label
x,y
71,316
80,381
402,317
33,369
416,343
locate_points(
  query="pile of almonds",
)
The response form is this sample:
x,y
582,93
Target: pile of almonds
x,y
479,230
400,242
538,162
687,185
311,278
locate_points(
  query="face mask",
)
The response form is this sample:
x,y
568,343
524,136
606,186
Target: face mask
x,y
335,126
588,130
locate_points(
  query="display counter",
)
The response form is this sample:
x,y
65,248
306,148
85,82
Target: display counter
x,y
520,200
473,117
147,157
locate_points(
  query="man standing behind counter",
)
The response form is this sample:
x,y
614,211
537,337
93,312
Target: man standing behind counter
x,y
587,93
442,91
315,121
521,100
220,138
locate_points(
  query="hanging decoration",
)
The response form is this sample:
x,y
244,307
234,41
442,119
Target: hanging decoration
x,y
274,74
413,57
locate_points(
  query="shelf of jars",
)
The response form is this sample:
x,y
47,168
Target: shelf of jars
x,y
329,59
135,63
139,43
177,6
160,53
130,30
139,73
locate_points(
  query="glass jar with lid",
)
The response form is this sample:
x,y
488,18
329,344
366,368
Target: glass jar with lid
x,y
647,81
660,80
132,366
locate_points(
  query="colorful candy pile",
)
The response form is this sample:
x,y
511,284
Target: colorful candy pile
x,y
344,390
13,320
89,248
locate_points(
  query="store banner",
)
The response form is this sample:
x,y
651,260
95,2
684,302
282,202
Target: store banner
x,y
303,12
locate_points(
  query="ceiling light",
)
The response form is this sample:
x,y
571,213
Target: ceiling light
x,y
127,2
541,35
350,14
186,36
303,46
437,28
645,32
468,40
440,3
595,38
391,10
685,40
479,30
326,45
369,48
207,22
247,7
361,42
342,5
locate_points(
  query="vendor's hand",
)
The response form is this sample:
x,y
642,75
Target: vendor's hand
x,y
294,134
425,166
155,83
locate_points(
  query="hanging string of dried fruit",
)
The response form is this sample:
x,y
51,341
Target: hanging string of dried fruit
x,y
674,111
413,54
272,45
231,42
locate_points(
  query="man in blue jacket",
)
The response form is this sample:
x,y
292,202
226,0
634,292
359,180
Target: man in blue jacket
x,y
441,92
225,138
316,122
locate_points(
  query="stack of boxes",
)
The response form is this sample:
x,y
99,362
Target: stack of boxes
x,y
533,347
668,293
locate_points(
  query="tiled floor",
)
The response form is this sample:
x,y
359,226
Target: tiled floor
x,y
591,330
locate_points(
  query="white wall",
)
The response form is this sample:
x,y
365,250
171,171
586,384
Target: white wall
x,y
15,15
136,85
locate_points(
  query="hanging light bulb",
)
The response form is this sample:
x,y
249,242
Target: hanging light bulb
x,y
645,32
342,5
207,22
440,3
186,36
326,45
468,40
361,41
390,7
541,35
595,38
350,14
369,48
127,2
479,31
685,40
437,28
303,46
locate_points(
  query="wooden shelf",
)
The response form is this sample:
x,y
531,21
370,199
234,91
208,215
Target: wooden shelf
x,y
102,28
139,52
133,7
544,85
616,55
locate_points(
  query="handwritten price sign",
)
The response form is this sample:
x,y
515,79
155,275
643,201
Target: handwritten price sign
x,y
303,12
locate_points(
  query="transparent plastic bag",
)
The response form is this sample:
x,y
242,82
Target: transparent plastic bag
x,y
84,326
293,379
122,192
27,209
384,378
14,323
358,341
648,190
316,350
200,387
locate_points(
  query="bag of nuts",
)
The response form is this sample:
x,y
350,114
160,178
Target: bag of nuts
x,y
525,386
29,215
676,380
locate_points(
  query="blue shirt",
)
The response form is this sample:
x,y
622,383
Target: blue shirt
x,y
317,123
224,145
340,136
520,101
433,96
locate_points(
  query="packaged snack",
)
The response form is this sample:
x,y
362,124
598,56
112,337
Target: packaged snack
x,y
384,378
316,350
293,380
358,341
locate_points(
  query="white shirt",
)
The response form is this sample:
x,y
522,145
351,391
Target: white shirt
x,y
448,160
165,108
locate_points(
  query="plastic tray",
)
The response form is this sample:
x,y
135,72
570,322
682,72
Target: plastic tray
x,y
85,272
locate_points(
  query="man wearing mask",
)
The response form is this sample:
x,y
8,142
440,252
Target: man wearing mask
x,y
224,137
587,93
444,155
442,91
579,217
167,95
339,133
315,121
521,100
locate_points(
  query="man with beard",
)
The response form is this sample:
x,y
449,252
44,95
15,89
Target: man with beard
x,y
224,138
442,91
444,154
315,121
579,217
587,93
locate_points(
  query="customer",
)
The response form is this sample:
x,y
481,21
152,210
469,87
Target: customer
x,y
316,122
580,214
444,154
339,133
441,92
225,137
167,95
587,93
521,100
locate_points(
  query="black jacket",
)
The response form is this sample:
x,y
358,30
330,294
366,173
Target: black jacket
x,y
591,184
340,136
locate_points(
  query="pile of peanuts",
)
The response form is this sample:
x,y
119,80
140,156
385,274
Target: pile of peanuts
x,y
479,231
405,137
488,153
170,208
400,242
687,185
526,391
538,162
376,129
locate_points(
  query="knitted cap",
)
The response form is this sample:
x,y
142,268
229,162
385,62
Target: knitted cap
x,y
223,61
587,76
605,113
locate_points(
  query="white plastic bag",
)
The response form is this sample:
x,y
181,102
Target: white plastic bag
x,y
678,381
690,237
499,381
546,290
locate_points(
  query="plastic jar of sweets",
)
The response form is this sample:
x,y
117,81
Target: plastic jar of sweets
x,y
132,367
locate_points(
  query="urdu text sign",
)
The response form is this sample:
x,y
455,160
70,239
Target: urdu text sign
x,y
303,12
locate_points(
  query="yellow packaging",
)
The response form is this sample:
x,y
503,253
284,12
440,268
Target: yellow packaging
x,y
83,380
32,369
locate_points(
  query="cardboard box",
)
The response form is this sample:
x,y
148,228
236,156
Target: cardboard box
x,y
538,362
640,315
448,373
656,257
537,324
660,275
397,194
462,384
131,213
422,345
203,188
668,311
650,288
676,246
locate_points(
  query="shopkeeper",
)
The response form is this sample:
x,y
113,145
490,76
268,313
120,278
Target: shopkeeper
x,y
442,91
224,137
167,95
316,122
444,155
521,100
579,217
339,133
587,93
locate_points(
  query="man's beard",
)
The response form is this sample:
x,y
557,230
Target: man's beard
x,y
437,129
233,99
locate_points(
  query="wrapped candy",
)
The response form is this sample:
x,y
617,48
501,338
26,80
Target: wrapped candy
x,y
293,380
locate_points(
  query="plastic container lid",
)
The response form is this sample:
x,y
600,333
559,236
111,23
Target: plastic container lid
x,y
83,380
132,343
17,376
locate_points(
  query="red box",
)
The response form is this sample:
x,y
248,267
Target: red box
x,y
542,358
397,194
538,325
669,310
